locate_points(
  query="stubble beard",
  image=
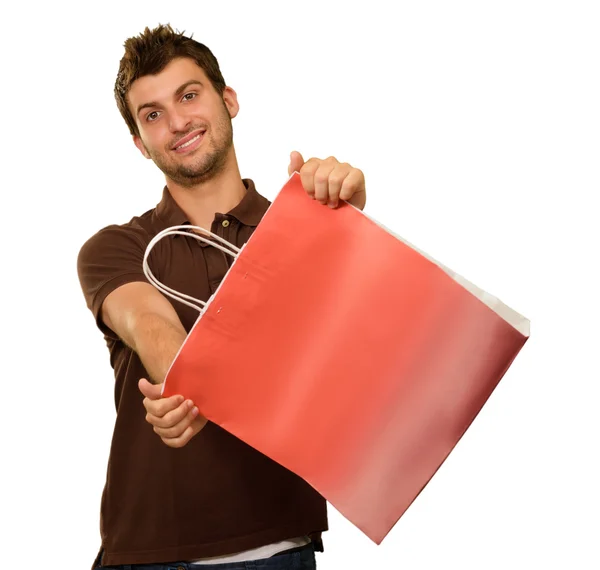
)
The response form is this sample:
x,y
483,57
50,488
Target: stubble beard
x,y
206,166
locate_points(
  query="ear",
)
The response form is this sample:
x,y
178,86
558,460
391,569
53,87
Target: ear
x,y
140,145
231,102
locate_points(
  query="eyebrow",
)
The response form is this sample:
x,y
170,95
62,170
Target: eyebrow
x,y
177,93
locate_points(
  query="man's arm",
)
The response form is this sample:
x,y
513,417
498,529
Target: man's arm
x,y
146,322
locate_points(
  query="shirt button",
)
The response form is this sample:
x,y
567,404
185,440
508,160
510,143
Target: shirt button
x,y
225,223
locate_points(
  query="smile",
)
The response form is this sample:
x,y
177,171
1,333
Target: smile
x,y
189,144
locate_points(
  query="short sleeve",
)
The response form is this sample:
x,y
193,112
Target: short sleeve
x,y
110,258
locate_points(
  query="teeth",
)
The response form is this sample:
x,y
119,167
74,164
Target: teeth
x,y
189,142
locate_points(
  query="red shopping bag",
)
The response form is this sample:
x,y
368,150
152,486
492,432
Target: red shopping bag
x,y
368,360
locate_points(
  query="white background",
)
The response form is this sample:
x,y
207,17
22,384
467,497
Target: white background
x,y
477,125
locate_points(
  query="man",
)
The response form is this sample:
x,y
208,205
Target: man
x,y
181,490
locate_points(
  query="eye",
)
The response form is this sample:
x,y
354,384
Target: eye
x,y
152,116
189,96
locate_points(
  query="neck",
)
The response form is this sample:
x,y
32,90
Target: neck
x,y
202,201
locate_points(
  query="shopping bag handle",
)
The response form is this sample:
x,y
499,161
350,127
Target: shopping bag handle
x,y
189,231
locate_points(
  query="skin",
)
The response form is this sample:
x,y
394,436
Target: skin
x,y
168,107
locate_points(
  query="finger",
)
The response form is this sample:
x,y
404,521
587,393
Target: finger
x,y
154,402
336,179
322,181
177,429
151,391
196,426
163,406
296,162
181,440
171,418
307,176
354,183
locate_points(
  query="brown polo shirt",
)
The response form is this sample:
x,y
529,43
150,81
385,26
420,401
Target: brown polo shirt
x,y
216,495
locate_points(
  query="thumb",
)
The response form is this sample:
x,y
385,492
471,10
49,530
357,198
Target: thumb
x,y
296,162
151,391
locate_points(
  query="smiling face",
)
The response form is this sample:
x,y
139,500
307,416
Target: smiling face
x,y
184,123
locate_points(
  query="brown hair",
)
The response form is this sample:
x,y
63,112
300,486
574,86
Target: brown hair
x,y
150,52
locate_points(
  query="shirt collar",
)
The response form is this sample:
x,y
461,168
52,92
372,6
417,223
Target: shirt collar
x,y
249,211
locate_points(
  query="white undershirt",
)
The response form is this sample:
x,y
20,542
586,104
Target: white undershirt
x,y
256,553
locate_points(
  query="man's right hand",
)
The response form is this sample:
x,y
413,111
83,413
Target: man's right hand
x,y
174,419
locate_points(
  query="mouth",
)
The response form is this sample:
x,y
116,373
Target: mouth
x,y
189,142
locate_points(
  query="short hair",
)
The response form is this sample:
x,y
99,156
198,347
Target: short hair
x,y
150,52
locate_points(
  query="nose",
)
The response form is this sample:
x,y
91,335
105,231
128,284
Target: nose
x,y
178,121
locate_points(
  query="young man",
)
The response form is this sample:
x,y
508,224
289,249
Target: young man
x,y
179,489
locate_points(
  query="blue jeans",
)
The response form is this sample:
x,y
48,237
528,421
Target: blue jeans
x,y
302,559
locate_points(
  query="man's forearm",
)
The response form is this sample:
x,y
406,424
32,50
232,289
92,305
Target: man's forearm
x,y
156,341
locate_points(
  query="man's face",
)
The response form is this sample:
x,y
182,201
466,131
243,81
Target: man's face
x,y
184,124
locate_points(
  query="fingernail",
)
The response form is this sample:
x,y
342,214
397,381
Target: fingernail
x,y
190,403
194,412
331,204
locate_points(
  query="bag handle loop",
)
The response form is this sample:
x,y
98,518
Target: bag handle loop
x,y
226,247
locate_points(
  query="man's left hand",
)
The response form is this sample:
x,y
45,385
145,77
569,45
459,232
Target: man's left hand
x,y
329,181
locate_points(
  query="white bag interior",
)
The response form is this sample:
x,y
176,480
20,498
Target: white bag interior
x,y
513,318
